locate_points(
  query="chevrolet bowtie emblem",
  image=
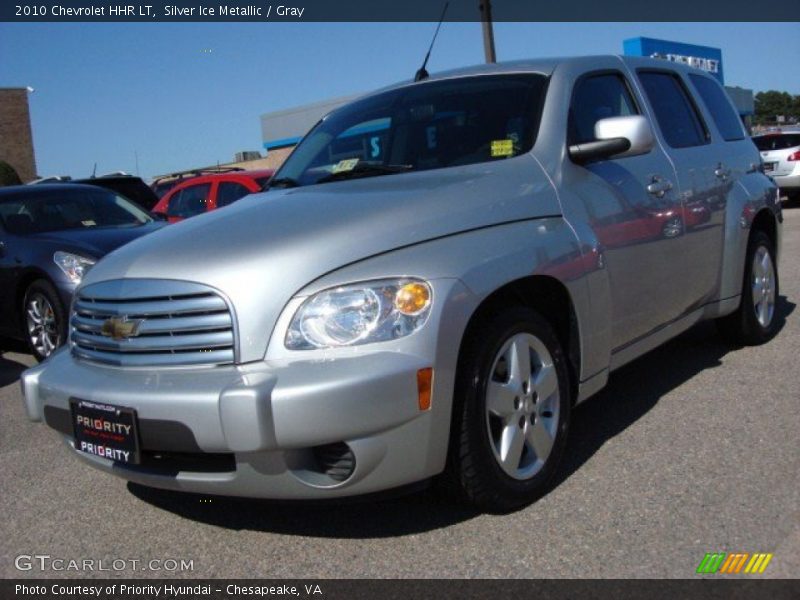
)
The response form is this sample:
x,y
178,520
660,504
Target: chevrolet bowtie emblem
x,y
121,328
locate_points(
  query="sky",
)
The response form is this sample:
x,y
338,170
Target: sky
x,y
153,98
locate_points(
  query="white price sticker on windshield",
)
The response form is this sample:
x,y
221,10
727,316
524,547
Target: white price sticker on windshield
x,y
347,164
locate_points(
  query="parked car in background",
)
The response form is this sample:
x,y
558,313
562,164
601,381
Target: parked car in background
x,y
208,192
780,153
50,236
438,274
130,186
165,183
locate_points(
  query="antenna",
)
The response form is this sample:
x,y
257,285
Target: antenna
x,y
422,73
94,171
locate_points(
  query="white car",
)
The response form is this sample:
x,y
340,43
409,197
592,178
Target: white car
x,y
780,152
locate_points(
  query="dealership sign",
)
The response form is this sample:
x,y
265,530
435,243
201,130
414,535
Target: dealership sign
x,y
700,57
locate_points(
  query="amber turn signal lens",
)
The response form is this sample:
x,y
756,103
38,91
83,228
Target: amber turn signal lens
x,y
424,384
412,298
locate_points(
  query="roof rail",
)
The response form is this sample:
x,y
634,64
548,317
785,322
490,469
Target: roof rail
x,y
196,173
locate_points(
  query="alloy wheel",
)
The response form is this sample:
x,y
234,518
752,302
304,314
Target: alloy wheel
x,y
522,406
42,325
763,286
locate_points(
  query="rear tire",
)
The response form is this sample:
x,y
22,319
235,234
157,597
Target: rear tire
x,y
43,320
754,321
511,412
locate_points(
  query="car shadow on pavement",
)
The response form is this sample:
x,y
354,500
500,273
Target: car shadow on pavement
x,y
631,393
10,370
358,518
637,387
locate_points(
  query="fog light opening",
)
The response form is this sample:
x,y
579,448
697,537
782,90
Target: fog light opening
x,y
337,460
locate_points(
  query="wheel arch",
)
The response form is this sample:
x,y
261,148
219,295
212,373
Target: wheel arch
x,y
549,297
765,221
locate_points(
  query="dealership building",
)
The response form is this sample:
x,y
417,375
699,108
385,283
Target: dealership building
x,y
282,130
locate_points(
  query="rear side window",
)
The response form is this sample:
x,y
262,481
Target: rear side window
x,y
597,97
189,201
229,192
779,141
677,117
717,103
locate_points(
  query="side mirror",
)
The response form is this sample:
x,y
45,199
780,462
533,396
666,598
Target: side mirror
x,y
616,136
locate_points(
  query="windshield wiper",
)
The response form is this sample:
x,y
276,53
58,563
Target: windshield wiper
x,y
365,169
284,182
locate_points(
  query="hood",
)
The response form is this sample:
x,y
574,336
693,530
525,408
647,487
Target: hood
x,y
94,242
265,248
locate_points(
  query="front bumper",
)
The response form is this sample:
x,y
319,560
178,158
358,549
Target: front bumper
x,y
263,420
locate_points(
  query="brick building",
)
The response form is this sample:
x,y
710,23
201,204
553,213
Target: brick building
x,y
16,139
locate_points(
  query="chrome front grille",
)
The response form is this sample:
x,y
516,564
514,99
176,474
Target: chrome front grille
x,y
145,323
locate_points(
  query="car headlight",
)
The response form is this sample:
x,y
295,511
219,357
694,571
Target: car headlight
x,y
373,311
73,265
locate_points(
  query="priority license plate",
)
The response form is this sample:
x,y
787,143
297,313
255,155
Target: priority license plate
x,y
105,430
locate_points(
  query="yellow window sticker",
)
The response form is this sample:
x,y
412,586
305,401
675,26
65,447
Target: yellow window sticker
x,y
502,147
347,164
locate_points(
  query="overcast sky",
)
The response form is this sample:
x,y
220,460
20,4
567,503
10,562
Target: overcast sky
x,y
186,95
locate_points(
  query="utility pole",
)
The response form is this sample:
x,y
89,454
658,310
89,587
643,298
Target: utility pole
x,y
485,7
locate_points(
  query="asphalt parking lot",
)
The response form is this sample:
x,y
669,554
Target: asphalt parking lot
x,y
691,449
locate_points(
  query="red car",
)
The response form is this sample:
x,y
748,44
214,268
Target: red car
x,y
208,192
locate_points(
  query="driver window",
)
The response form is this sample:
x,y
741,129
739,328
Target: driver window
x,y
594,98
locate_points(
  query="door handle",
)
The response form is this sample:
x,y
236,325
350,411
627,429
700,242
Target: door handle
x,y
659,187
2,249
721,172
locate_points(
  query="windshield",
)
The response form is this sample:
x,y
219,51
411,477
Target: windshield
x,y
69,209
420,127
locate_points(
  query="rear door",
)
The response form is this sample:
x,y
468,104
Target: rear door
x,y
229,192
705,177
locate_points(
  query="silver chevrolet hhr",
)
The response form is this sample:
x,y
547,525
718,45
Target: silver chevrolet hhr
x,y
438,274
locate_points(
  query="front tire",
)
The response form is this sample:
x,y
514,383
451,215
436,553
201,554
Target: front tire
x,y
43,319
754,321
511,411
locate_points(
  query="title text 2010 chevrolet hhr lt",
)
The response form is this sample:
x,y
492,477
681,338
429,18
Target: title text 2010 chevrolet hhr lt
x,y
439,272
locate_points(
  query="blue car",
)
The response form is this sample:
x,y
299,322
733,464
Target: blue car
x,y
50,236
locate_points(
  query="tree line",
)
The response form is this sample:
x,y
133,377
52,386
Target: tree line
x,y
769,105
